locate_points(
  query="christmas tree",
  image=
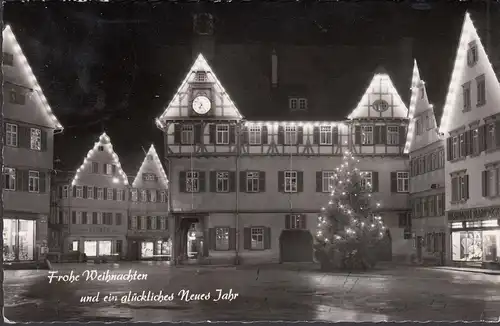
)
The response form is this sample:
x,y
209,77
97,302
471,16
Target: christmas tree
x,y
349,229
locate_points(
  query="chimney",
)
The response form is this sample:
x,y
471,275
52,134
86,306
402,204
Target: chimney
x,y
274,69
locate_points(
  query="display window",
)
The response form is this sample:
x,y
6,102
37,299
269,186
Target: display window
x,y
18,240
90,248
147,248
163,248
104,248
476,246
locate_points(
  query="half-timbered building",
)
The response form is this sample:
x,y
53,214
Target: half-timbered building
x,y
254,188
428,225
470,123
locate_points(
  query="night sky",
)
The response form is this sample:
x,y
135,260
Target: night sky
x,y
101,65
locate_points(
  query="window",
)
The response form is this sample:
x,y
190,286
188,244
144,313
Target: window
x,y
64,190
461,140
327,181
100,148
434,161
133,222
152,196
163,197
144,195
475,141
104,248
144,222
74,245
403,181
404,220
201,76
367,135
431,206
222,182
325,135
472,54
255,135
95,167
296,221
192,181
78,218
162,223
459,187
441,158
8,59
34,181
222,134
36,139
290,181
9,178
79,191
427,123
257,241
99,218
100,193
221,238
109,169
134,195
293,103
466,96
490,136
424,206
90,248
187,134
90,192
109,194
392,135
481,90
11,135
302,104
418,126
297,103
421,165
366,181
439,205
455,149
252,181
290,135
492,182
17,98
154,222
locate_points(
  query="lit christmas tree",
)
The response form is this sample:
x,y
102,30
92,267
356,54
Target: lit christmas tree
x,y
349,229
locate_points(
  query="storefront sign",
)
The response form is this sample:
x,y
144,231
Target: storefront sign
x,y
94,229
474,213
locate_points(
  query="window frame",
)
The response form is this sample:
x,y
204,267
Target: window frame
x,y
32,177
327,180
11,135
252,181
367,135
192,181
222,134
255,135
35,139
296,222
187,134
290,135
290,178
403,180
393,136
222,238
364,184
326,135
222,181
11,172
257,244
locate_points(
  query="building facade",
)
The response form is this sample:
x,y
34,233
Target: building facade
x,y
29,127
470,125
148,236
93,205
254,188
427,188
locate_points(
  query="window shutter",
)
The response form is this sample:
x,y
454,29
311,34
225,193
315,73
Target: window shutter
x,y
244,135
182,181
232,134
375,181
212,237
267,238
281,135
394,182
300,135
335,135
94,217
74,190
247,238
232,239
105,193
177,133
19,180
73,217
383,135
402,135
281,181
198,134
43,140
484,177
43,182
443,205
202,181
300,181
448,148
357,135
113,169
243,181
232,181
212,181
95,192
59,190
23,137
466,180
303,220
287,221
84,218
262,181
316,135
467,143
319,181
211,129
376,135
482,138
264,135
434,203
84,192
114,194
25,180
148,222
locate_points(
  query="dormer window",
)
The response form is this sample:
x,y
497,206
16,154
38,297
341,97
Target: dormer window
x,y
201,76
100,148
472,54
297,103
149,157
17,98
8,59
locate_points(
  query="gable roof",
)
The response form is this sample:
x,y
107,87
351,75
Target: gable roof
x,y
156,160
104,140
415,81
468,33
8,36
200,64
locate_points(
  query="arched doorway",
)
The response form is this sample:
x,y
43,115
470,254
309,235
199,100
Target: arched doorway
x,y
296,246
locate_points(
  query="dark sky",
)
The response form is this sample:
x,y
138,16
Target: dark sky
x,y
101,65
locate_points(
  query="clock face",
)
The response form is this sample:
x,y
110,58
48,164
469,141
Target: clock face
x,y
380,105
201,104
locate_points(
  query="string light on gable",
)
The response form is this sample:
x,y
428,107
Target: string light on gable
x,y
105,142
468,34
163,176
413,103
306,124
8,35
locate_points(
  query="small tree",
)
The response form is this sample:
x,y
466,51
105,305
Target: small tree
x,y
349,229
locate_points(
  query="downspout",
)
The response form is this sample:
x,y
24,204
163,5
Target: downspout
x,y
237,216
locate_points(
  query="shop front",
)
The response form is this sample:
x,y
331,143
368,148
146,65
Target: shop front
x,y
149,248
19,240
97,241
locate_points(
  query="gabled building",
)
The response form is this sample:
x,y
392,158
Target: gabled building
x,y
148,235
427,188
254,188
92,206
29,126
471,125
